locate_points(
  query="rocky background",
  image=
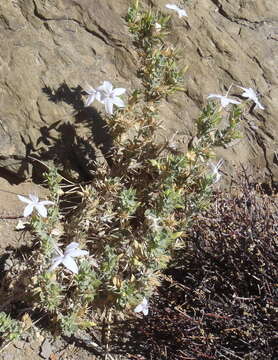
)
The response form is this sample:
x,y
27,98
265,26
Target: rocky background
x,y
51,49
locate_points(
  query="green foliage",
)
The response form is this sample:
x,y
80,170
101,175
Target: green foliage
x,y
53,180
87,283
142,25
69,323
10,329
48,291
159,72
128,203
44,228
209,121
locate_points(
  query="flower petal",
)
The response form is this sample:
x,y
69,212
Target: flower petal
x,y
101,97
224,101
219,164
107,86
108,106
145,311
242,88
145,302
56,262
119,102
70,264
90,90
72,245
217,177
20,225
76,252
259,105
98,96
181,12
46,202
233,101
118,91
90,99
34,198
41,209
138,308
214,96
172,7
251,93
28,210
24,199
245,94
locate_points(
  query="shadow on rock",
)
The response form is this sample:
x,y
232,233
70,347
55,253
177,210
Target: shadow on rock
x,y
61,143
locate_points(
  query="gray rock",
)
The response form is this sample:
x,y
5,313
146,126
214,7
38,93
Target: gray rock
x,y
46,349
58,344
50,52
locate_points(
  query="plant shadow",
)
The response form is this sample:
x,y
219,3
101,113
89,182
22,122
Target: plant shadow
x,y
61,143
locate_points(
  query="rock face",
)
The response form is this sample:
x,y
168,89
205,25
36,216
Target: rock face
x,y
50,50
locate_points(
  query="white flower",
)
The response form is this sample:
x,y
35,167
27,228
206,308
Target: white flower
x,y
110,97
181,12
143,307
33,202
20,225
215,170
157,26
153,222
93,94
224,100
250,94
72,251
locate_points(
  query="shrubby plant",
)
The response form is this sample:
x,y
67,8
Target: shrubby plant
x,y
133,215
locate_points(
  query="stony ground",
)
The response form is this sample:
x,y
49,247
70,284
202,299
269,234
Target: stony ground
x,y
51,50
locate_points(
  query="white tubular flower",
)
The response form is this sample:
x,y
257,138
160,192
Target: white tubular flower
x,y
215,170
153,222
110,97
93,94
33,202
143,307
20,225
224,99
181,12
250,94
67,259
157,26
